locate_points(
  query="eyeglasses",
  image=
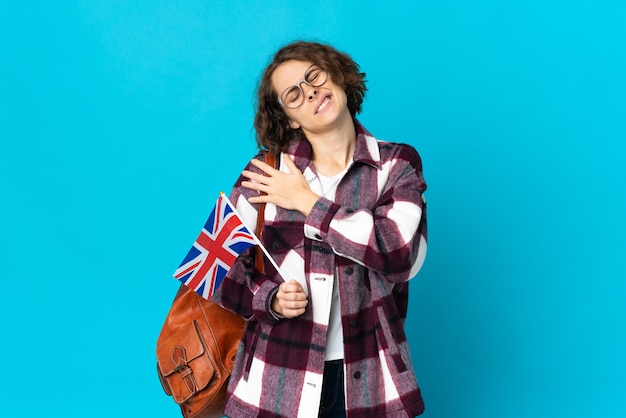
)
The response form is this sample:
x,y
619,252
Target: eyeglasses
x,y
293,96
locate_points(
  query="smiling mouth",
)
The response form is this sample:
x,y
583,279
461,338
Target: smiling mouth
x,y
323,105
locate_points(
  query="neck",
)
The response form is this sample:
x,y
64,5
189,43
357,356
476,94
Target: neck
x,y
333,151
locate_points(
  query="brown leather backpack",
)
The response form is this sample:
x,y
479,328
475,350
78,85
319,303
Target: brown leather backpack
x,y
195,353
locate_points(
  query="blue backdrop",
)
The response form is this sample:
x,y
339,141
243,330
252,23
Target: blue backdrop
x,y
120,122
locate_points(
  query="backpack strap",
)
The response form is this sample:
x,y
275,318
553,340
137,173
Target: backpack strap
x,y
270,159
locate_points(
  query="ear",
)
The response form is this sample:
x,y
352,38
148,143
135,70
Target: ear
x,y
293,124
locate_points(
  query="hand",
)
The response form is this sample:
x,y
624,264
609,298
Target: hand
x,y
287,190
290,301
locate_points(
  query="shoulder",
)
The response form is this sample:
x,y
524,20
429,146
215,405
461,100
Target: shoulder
x,y
398,152
382,151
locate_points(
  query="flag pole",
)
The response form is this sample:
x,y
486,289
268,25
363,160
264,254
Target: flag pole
x,y
256,239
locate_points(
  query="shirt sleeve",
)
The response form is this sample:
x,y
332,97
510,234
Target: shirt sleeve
x,y
391,236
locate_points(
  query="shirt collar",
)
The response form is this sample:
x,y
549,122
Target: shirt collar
x,y
366,149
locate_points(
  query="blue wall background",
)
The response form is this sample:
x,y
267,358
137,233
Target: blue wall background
x,y
121,121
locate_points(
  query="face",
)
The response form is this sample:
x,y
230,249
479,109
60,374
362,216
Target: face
x,y
323,107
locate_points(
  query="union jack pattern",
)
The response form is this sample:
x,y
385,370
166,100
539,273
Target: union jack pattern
x,y
222,239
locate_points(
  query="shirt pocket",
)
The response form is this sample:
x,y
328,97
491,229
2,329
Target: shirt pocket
x,y
388,336
281,237
251,350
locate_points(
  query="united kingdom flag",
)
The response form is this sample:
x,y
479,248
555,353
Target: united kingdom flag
x,y
222,239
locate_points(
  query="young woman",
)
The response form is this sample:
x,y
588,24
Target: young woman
x,y
345,221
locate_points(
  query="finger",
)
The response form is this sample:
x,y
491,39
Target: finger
x,y
255,186
294,297
294,304
295,310
288,285
292,287
262,198
286,293
266,168
292,313
256,177
249,184
297,284
291,294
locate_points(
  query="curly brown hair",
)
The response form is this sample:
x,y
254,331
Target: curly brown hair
x,y
273,132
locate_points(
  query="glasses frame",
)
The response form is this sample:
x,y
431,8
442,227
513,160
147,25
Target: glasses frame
x,y
298,86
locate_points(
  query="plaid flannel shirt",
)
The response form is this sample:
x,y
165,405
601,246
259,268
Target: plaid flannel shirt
x,y
373,237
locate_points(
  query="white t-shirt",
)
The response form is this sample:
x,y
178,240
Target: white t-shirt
x,y
334,341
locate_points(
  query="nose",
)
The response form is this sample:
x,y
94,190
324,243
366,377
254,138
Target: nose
x,y
312,93
309,91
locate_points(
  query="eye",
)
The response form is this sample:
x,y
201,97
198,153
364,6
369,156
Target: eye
x,y
313,75
291,95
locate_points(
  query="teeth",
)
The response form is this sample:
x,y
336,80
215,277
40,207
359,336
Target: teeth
x,y
323,105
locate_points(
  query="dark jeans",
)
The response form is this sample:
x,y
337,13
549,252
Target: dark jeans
x,y
333,403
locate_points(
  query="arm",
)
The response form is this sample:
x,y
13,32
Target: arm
x,y
391,236
246,291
